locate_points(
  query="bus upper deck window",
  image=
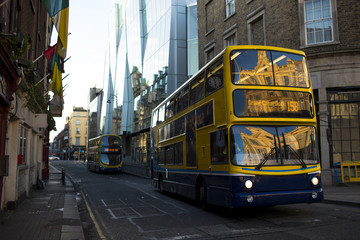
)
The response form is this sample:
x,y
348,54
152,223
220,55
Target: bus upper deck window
x,y
290,70
251,67
214,77
257,67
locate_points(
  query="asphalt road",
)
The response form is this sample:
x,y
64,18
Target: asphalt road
x,y
122,206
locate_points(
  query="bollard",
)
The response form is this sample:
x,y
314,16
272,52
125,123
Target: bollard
x,y
63,175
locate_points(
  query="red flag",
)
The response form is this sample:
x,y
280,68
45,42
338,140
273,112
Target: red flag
x,y
50,52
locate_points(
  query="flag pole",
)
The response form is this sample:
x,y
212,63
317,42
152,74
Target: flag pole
x,y
3,3
42,79
38,58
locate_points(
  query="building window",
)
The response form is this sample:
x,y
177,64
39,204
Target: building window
x,y
77,141
209,50
230,7
77,130
318,21
256,27
210,54
77,122
78,114
210,13
22,145
231,40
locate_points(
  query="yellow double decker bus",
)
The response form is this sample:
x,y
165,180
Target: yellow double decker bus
x,y
105,154
241,132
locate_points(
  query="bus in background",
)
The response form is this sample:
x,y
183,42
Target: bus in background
x,y
105,154
240,132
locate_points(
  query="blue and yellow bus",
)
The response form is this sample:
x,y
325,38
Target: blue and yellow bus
x,y
105,154
240,132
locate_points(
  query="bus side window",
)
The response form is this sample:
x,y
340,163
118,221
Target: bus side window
x,y
161,117
214,77
169,109
170,160
154,118
180,126
180,153
218,144
161,159
197,89
204,115
183,100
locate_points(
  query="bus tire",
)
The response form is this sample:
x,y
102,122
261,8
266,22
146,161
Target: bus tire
x,y
202,194
161,184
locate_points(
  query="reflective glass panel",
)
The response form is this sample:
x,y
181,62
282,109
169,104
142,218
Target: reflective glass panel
x,y
290,70
257,67
268,103
111,159
110,141
251,67
273,146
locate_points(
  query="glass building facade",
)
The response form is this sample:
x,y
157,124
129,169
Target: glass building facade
x,y
152,50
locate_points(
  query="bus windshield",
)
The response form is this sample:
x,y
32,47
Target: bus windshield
x,y
271,68
111,159
273,145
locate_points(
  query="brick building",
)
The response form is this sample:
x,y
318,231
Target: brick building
x,y
327,31
25,29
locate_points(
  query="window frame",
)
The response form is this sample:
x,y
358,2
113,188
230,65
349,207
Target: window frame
x,y
335,29
230,8
258,14
22,146
315,20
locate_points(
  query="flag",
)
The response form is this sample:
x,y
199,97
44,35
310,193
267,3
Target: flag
x,y
56,79
56,106
50,52
59,13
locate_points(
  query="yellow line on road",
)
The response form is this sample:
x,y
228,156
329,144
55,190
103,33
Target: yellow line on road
x,y
97,226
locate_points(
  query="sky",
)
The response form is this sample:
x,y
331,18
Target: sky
x,y
88,29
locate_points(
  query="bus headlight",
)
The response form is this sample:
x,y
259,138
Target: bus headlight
x,y
248,184
315,181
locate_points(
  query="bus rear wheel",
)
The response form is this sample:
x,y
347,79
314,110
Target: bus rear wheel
x,y
161,184
202,194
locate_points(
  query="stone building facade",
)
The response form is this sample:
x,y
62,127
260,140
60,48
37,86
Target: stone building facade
x,y
327,31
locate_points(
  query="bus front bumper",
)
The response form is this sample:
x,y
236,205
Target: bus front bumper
x,y
108,169
276,198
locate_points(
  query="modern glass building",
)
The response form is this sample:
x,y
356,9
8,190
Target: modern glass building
x,y
152,50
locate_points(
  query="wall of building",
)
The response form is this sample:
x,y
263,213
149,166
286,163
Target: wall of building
x,y
28,23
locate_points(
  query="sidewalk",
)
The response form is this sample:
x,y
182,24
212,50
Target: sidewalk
x,y
51,213
343,194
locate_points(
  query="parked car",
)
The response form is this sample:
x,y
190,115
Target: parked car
x,y
52,157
